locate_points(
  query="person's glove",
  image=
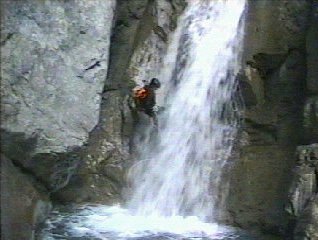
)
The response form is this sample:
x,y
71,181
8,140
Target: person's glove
x,y
155,108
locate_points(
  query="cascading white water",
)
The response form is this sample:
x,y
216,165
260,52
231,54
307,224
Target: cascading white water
x,y
181,173
178,182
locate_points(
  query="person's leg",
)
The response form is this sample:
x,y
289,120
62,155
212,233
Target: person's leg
x,y
153,117
155,120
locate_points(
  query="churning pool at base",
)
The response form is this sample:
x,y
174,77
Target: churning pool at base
x,y
100,222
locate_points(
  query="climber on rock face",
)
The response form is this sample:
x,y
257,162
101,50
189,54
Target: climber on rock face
x,y
145,99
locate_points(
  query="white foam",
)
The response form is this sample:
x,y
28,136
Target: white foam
x,y
102,220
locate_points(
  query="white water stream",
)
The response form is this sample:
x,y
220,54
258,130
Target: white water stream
x,y
178,182
181,173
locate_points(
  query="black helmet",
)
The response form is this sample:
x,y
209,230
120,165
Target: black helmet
x,y
155,83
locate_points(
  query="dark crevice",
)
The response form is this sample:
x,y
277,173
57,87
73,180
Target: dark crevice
x,y
267,63
123,122
159,31
96,64
110,90
38,184
316,175
7,38
266,128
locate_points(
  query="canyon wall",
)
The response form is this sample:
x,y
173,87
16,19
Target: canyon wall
x,y
279,87
54,61
67,68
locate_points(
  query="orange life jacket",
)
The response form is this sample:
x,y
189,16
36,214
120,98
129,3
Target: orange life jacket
x,y
140,93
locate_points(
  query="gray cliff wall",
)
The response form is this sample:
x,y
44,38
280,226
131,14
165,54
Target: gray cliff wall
x,y
302,206
278,84
54,62
54,56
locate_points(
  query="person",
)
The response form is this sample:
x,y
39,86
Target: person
x,y
145,99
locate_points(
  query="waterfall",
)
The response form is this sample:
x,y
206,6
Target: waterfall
x,y
179,183
181,172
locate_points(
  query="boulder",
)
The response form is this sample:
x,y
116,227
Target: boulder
x,y
307,223
257,196
302,204
24,203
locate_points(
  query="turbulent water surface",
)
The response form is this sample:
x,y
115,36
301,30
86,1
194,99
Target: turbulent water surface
x,y
179,183
114,223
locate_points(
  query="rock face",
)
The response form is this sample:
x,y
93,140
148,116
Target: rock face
x,y
54,62
24,203
311,104
274,88
312,51
303,197
307,222
54,57
139,42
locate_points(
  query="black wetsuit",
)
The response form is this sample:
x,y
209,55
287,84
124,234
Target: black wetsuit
x,y
147,104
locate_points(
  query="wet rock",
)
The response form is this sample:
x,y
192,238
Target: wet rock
x,y
151,46
256,198
302,205
261,134
266,63
274,50
256,83
311,104
311,119
52,169
18,146
307,223
312,51
246,90
24,203
276,26
277,118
